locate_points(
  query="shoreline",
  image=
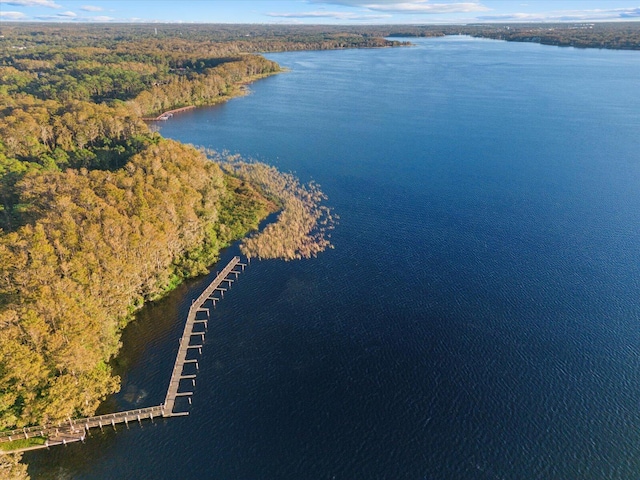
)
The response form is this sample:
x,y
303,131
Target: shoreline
x,y
168,114
237,90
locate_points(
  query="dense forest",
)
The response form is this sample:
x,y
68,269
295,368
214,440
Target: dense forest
x,y
221,40
99,214
619,36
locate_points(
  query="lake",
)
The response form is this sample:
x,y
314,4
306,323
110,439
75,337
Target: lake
x,y
479,317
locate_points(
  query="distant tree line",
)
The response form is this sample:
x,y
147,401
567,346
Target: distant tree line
x,y
223,39
618,36
151,76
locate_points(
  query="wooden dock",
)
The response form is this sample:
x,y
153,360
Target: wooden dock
x,y
198,314
75,430
168,114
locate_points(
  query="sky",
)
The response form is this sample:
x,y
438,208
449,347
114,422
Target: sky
x,y
319,11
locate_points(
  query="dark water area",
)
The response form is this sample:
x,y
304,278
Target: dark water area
x,y
479,315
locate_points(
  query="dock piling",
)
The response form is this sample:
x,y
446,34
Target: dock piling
x,y
61,433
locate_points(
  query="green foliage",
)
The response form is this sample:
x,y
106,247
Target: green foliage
x,y
11,170
242,209
99,242
619,35
205,87
11,468
149,75
22,443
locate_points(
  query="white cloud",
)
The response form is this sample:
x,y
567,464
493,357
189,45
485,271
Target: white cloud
x,y
567,16
630,13
31,3
99,18
12,15
63,16
144,20
427,8
409,6
361,3
327,14
68,17
516,17
91,8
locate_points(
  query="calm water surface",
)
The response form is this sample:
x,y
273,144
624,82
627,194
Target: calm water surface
x,y
479,317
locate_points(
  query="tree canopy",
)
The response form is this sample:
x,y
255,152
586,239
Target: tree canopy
x,y
98,213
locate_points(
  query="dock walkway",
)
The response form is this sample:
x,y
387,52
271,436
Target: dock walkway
x,y
75,430
185,342
168,114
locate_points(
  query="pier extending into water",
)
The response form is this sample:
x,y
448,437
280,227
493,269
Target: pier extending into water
x,y
168,114
198,314
76,430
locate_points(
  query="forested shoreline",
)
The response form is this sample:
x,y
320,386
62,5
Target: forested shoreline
x,y
99,214
229,40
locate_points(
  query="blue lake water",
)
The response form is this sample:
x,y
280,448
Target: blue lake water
x,y
479,317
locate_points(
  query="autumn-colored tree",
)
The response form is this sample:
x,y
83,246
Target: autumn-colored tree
x,y
98,214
